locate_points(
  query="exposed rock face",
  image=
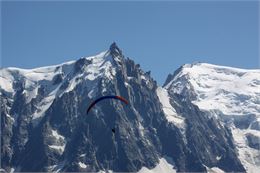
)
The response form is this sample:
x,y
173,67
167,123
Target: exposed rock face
x,y
228,95
45,127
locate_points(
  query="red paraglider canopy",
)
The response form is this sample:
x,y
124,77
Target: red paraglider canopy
x,y
106,97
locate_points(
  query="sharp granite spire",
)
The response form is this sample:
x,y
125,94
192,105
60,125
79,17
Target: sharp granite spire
x,y
114,50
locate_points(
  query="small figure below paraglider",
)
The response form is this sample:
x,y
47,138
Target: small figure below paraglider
x,y
113,130
107,97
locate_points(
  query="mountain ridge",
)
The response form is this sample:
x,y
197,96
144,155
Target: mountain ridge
x,y
43,118
229,94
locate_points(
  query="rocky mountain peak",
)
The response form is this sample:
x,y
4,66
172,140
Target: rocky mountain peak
x,y
115,50
44,125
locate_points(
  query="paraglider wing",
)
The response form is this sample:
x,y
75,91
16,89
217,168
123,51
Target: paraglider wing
x,y
106,97
122,99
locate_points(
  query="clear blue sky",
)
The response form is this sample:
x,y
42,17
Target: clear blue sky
x,y
160,36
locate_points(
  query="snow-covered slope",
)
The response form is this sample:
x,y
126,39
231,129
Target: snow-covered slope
x,y
231,90
163,166
169,110
54,81
231,95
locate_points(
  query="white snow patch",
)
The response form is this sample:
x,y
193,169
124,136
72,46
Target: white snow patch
x,y
72,84
163,166
12,170
9,116
5,82
43,106
2,170
169,111
215,170
143,77
248,156
141,129
218,157
82,155
60,149
126,84
83,165
30,94
59,143
52,167
56,168
57,135
101,66
92,93
129,78
107,171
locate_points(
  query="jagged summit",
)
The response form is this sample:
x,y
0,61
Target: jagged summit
x,y
114,50
113,46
